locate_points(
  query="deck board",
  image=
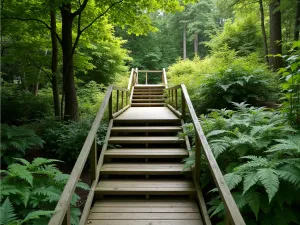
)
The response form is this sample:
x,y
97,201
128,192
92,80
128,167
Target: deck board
x,y
147,113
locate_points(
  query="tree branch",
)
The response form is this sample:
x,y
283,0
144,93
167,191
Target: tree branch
x,y
102,14
79,32
80,9
36,20
39,67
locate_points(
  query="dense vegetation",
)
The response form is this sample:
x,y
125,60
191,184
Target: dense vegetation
x,y
239,59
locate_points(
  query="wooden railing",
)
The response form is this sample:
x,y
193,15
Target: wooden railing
x,y
148,72
89,150
177,100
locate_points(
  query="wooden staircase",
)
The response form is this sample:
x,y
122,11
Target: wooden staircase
x,y
143,167
139,177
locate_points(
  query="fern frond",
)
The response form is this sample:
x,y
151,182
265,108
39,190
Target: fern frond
x,y
232,180
36,215
21,172
269,179
289,174
250,179
253,200
7,213
42,161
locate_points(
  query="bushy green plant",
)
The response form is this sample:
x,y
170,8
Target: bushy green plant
x,y
33,188
291,86
237,84
19,106
259,153
66,139
16,140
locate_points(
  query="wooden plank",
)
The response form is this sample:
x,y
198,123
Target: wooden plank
x,y
142,92
65,199
120,111
150,71
147,129
176,112
147,203
119,89
145,222
165,78
200,198
131,94
130,81
145,139
145,216
117,106
148,96
147,104
144,210
174,87
93,160
148,100
230,205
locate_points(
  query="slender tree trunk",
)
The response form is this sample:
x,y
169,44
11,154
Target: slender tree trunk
x,y
275,34
196,44
184,40
263,30
71,104
297,22
54,79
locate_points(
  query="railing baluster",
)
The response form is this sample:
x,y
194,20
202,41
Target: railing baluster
x,y
67,218
176,101
172,97
122,102
182,105
126,97
146,78
117,108
197,158
110,107
93,160
169,96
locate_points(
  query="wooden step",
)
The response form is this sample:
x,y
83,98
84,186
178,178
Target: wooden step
x,y
146,153
148,92
147,104
143,168
148,96
147,129
149,100
144,139
145,187
149,86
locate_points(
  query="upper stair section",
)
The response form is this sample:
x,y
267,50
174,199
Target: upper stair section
x,y
148,96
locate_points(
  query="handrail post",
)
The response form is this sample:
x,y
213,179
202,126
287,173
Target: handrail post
x,y
137,76
146,78
122,102
182,105
176,101
172,97
67,218
110,107
117,107
197,158
93,159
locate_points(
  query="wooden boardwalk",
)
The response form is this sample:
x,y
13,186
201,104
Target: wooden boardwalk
x,y
146,163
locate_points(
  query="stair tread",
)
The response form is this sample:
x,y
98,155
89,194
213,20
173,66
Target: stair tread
x,y
147,92
143,168
148,104
147,128
149,86
148,96
145,186
146,152
148,100
139,139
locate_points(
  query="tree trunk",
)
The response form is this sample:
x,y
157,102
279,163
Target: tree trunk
x,y
196,44
71,104
184,40
263,30
275,34
297,22
54,80
36,88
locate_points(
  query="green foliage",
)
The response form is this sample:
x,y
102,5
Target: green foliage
x,y
7,213
66,139
242,35
16,140
33,190
259,153
290,85
19,106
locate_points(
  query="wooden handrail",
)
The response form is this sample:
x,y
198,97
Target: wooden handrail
x,y
231,208
62,210
130,81
165,80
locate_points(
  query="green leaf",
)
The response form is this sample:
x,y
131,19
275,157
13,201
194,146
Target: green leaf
x,y
253,200
21,172
215,133
232,180
7,214
36,215
250,179
269,180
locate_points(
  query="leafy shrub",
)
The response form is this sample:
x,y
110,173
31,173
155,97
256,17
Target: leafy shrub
x,y
19,106
66,139
236,84
291,86
35,188
259,153
16,140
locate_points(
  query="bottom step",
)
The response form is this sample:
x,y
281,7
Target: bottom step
x,y
145,212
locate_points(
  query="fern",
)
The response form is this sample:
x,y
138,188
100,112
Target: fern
x,y
232,180
36,215
7,213
269,179
21,172
250,179
253,200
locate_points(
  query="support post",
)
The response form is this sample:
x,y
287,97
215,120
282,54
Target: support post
x,y
172,97
146,78
93,160
197,158
176,100
126,97
122,102
117,107
67,219
182,105
110,107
